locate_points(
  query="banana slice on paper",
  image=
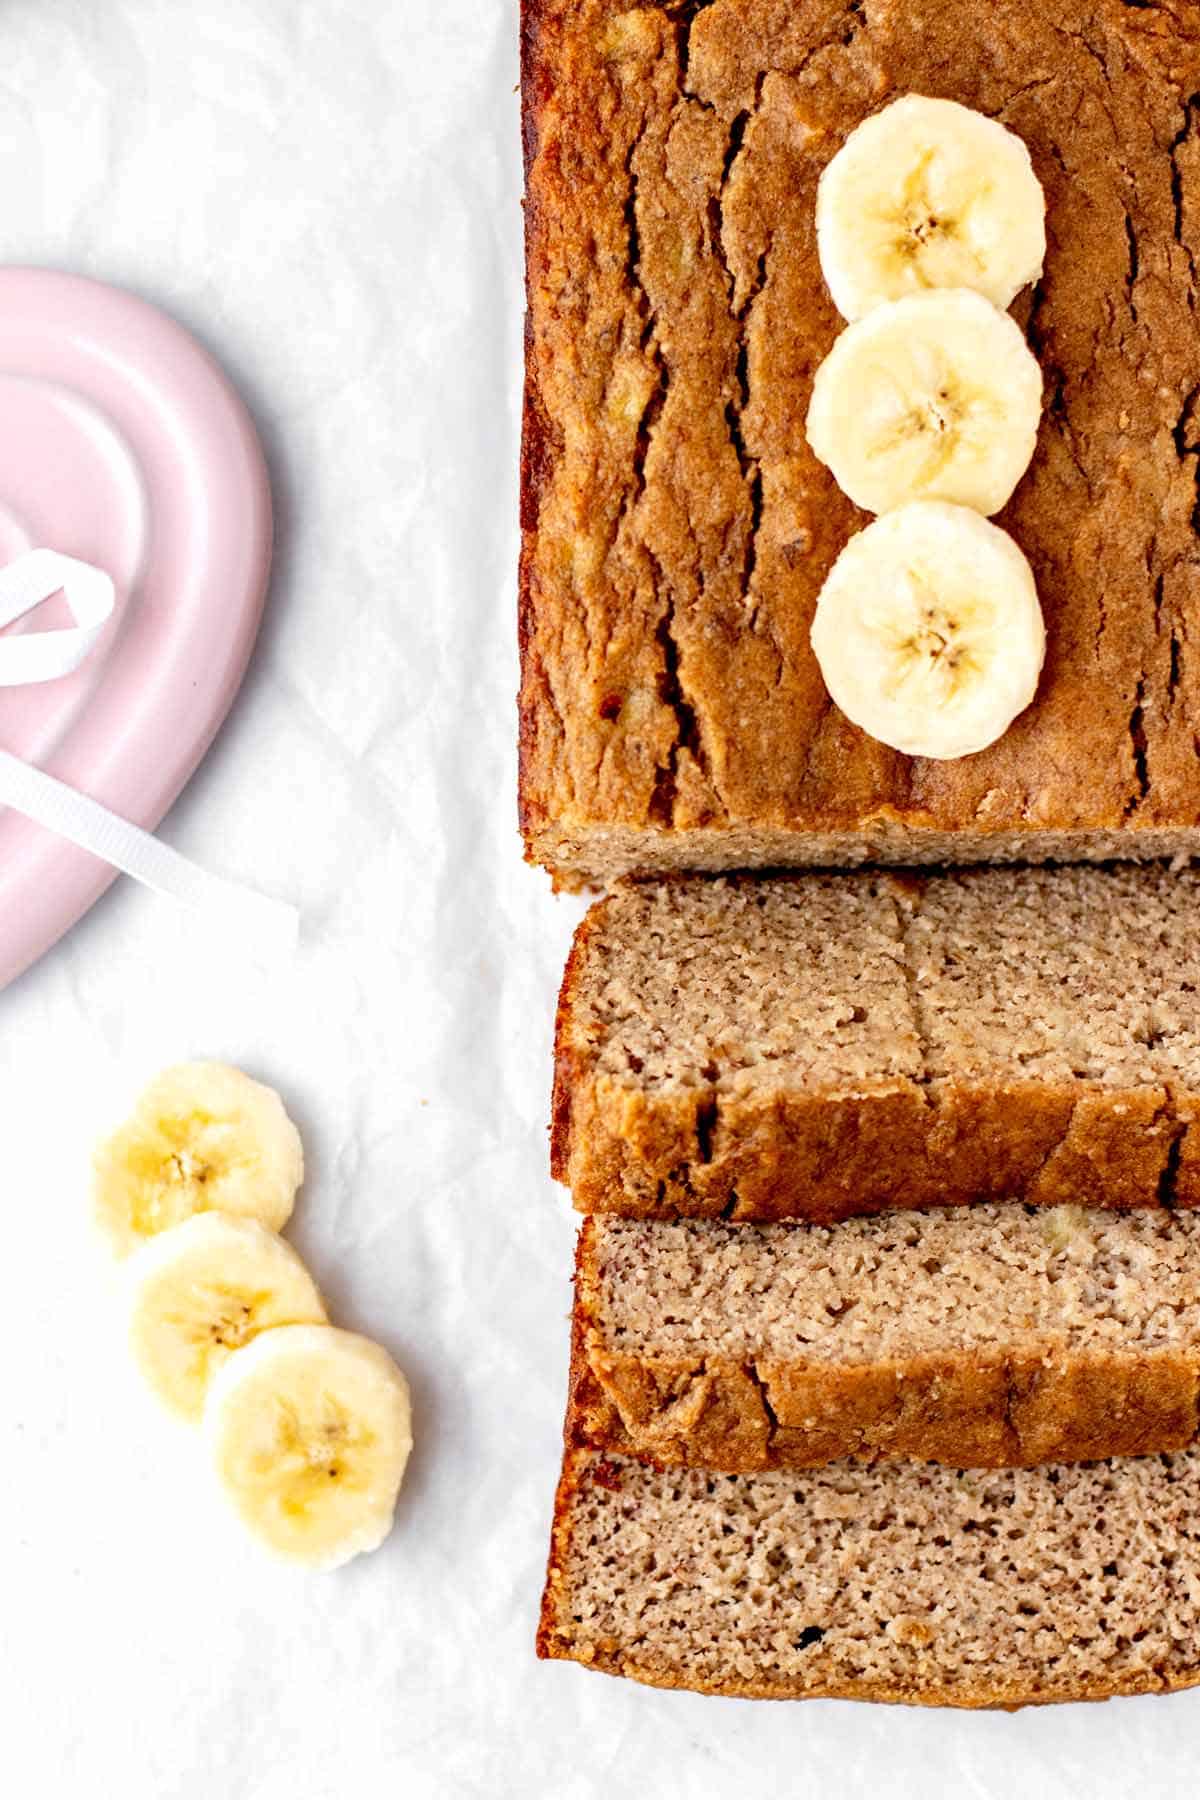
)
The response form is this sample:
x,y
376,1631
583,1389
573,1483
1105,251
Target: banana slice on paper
x,y
936,397
929,194
204,1289
928,631
310,1430
203,1138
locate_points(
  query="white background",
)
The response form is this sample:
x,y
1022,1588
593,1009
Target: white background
x,y
327,192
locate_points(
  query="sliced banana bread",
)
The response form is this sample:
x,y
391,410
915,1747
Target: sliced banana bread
x,y
996,1335
816,1046
906,1582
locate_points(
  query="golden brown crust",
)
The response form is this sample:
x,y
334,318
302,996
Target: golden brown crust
x,y
988,1696
559,1639
535,446
548,1636
677,528
997,1409
830,1156
570,1068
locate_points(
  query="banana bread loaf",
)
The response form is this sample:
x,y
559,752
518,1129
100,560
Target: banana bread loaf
x,y
677,528
814,1046
907,1581
995,1336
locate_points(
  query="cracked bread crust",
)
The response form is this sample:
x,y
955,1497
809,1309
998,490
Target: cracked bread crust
x,y
676,528
1077,1341
911,1584
820,1046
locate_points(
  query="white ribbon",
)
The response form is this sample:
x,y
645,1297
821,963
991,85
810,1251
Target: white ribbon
x,y
46,655
29,657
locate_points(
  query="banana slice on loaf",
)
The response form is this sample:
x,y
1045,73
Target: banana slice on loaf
x,y
937,397
929,632
929,194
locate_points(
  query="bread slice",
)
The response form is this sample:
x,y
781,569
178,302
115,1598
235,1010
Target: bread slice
x,y
905,1582
817,1046
997,1335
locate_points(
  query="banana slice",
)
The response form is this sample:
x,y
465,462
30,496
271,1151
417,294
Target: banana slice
x,y
310,1430
203,1138
928,631
928,194
937,397
201,1291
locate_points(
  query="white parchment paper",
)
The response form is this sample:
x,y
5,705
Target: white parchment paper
x,y
328,194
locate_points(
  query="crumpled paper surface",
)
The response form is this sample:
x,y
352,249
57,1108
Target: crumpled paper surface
x,y
328,194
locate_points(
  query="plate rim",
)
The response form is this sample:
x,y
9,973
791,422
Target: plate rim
x,y
51,884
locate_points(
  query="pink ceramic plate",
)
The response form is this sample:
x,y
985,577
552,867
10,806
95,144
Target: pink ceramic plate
x,y
122,443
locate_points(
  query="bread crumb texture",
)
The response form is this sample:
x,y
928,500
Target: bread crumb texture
x,y
817,1045
909,1583
677,528
900,1284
